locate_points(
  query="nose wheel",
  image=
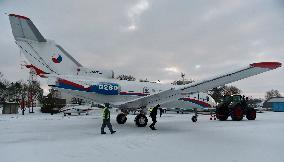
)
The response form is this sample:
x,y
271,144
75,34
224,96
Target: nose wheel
x,y
194,118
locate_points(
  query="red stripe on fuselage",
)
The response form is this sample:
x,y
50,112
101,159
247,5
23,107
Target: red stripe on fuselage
x,y
72,84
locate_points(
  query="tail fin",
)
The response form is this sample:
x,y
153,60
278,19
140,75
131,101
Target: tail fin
x,y
44,55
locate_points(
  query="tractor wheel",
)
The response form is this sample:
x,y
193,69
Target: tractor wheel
x,y
121,118
251,114
222,113
237,113
141,120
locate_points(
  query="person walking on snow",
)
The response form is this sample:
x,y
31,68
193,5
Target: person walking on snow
x,y
106,120
153,115
161,111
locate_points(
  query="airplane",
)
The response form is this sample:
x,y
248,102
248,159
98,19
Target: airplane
x,y
49,60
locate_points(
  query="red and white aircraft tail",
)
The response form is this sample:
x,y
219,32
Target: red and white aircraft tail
x,y
45,56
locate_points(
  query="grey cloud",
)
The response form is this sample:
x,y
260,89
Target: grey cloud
x,y
217,35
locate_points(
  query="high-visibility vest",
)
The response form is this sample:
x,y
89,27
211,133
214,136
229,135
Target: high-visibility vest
x,y
106,113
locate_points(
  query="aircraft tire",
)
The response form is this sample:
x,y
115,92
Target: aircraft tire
x,y
121,118
251,114
237,113
194,119
141,120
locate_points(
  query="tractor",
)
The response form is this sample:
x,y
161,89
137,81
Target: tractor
x,y
235,106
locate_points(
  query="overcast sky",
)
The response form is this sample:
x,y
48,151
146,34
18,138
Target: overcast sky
x,y
157,39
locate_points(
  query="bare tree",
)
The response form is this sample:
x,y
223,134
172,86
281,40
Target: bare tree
x,y
218,92
272,93
143,80
182,82
231,90
126,77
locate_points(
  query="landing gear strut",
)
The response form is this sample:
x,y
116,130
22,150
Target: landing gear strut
x,y
194,117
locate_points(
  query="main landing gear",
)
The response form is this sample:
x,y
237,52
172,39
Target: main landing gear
x,y
121,118
140,120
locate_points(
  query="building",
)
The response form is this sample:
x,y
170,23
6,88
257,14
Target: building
x,y
10,108
275,103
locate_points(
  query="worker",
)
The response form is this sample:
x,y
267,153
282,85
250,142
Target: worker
x,y
106,120
161,111
153,115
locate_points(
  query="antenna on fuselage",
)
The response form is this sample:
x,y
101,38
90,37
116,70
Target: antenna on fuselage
x,y
182,76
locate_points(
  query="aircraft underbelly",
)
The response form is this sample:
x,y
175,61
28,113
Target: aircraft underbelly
x,y
182,105
98,98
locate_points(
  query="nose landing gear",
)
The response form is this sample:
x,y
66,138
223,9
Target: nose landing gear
x,y
194,117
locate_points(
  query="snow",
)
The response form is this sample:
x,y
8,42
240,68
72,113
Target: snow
x,y
44,137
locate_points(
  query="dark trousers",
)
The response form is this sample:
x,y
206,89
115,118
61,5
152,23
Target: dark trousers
x,y
106,122
154,121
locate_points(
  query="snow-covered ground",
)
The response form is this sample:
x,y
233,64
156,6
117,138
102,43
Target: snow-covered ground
x,y
54,138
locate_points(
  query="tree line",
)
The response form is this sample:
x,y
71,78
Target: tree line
x,y
19,91
27,91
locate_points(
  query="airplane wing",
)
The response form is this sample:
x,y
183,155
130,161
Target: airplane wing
x,y
202,86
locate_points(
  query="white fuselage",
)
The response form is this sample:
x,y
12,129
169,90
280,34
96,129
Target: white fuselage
x,y
102,90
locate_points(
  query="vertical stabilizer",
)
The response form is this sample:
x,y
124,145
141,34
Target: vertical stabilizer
x,y
44,55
